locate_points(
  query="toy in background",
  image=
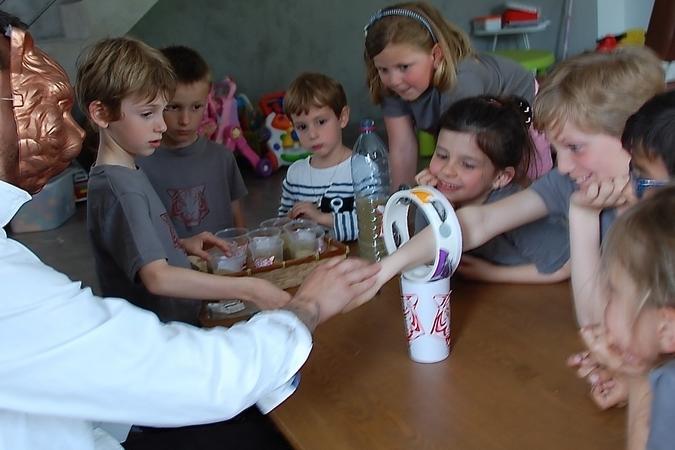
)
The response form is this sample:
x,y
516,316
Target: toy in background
x,y
634,36
221,124
278,131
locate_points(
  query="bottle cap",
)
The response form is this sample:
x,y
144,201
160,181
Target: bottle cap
x,y
367,125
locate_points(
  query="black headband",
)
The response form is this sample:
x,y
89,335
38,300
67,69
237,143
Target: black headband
x,y
402,12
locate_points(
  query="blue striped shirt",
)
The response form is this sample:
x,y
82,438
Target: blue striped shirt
x,y
330,189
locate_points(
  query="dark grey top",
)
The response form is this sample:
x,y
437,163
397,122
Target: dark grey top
x,y
544,242
662,421
130,228
483,75
556,190
196,184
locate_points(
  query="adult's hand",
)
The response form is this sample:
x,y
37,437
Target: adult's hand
x,y
330,287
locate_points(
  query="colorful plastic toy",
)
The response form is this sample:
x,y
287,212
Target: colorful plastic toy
x,y
281,139
221,124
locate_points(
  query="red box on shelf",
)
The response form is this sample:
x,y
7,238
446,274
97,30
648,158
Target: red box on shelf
x,y
517,16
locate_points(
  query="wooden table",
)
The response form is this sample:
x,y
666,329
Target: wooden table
x,y
504,386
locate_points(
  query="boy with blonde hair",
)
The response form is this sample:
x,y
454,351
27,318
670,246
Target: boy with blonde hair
x,y
320,187
197,179
123,86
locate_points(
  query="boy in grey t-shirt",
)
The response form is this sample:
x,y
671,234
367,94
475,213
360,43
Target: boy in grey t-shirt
x,y
197,180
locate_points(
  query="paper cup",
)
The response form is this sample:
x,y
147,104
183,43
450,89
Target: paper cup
x,y
426,307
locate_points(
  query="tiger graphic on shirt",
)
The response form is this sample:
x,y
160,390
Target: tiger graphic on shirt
x,y
188,205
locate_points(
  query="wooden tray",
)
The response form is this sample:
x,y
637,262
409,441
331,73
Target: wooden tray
x,y
288,273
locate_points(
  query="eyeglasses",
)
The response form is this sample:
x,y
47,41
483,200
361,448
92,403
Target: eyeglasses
x,y
641,184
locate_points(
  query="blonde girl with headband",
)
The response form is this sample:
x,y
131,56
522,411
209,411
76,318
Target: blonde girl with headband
x,y
418,65
482,155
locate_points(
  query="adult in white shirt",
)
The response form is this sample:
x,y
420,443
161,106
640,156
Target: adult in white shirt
x,y
69,359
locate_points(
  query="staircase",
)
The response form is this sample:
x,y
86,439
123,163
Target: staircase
x,y
68,26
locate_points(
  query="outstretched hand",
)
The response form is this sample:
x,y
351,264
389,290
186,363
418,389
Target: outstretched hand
x,y
334,284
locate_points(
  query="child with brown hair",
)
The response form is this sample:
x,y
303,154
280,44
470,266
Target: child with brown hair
x,y
637,334
320,187
198,180
482,156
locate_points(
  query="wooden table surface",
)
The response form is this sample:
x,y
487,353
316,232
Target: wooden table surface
x,y
504,385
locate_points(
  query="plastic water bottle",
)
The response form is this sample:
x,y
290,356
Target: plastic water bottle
x,y
370,175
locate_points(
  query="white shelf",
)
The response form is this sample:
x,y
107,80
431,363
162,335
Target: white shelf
x,y
518,30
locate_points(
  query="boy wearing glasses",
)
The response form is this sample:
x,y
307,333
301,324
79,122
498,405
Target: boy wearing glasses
x,y
650,137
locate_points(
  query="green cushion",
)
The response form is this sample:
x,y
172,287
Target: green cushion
x,y
534,60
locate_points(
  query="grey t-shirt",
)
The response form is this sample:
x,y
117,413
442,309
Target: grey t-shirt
x,y
130,228
544,242
483,74
196,184
556,190
662,421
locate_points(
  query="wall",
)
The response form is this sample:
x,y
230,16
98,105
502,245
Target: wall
x,y
68,26
47,26
616,16
263,44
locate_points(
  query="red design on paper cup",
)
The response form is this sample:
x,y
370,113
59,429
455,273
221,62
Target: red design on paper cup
x,y
412,321
441,326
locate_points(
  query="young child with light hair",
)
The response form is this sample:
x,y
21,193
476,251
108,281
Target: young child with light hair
x,y
649,136
124,85
418,65
637,334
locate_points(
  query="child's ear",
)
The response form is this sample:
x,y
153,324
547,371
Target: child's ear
x,y
437,55
667,329
99,114
344,116
503,177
